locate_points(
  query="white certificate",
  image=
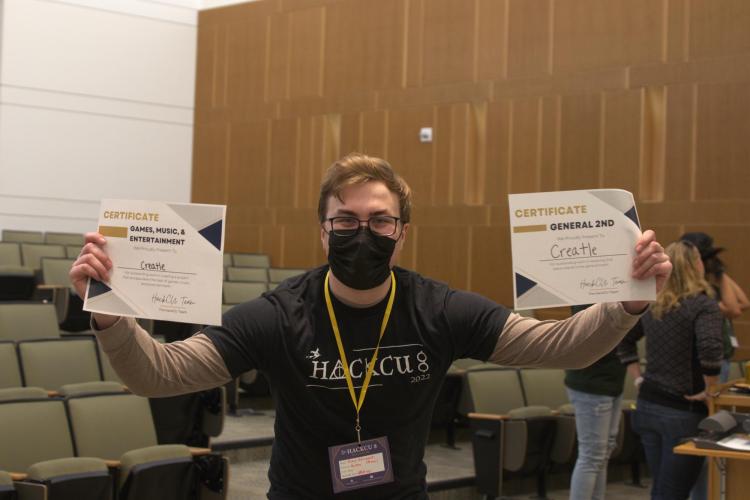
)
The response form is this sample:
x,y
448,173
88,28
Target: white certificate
x,y
167,261
575,247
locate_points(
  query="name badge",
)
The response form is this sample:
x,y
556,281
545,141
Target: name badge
x,y
360,465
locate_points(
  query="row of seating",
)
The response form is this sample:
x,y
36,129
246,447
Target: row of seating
x,y
30,255
44,439
53,363
55,238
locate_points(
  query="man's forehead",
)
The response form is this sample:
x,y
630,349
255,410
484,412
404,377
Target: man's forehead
x,y
372,197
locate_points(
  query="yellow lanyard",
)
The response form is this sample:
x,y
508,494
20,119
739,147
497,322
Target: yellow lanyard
x,y
342,354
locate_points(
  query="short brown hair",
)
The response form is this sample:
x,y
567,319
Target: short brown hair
x,y
357,168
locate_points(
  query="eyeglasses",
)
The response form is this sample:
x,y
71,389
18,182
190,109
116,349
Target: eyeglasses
x,y
381,225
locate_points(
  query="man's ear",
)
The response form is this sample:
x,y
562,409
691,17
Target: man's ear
x,y
324,240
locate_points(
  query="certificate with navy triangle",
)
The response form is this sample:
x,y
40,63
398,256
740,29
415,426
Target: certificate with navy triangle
x,y
167,261
575,247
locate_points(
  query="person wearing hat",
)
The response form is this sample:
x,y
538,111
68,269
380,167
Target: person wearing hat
x,y
732,299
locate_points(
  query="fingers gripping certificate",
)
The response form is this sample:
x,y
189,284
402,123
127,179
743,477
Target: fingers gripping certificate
x,y
575,247
167,261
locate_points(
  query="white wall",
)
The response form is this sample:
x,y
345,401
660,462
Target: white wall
x,y
96,101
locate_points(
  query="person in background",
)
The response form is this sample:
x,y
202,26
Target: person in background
x,y
683,357
732,301
596,395
731,297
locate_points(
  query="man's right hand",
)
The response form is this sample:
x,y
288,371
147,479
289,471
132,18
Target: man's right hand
x,y
92,262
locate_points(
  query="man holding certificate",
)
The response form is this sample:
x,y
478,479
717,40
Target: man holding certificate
x,y
356,351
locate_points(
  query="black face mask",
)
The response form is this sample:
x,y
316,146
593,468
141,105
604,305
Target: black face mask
x,y
361,261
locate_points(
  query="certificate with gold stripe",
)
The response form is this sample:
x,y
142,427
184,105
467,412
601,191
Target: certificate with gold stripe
x,y
167,261
575,247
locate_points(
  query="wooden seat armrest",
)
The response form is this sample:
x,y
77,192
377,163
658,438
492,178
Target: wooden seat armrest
x,y
18,476
43,286
52,394
112,464
199,452
487,416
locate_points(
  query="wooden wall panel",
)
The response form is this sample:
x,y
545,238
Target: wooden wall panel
x,y
210,163
306,45
722,159
523,95
529,38
276,76
525,147
492,40
245,36
282,161
679,159
491,271
622,140
497,153
355,32
413,159
248,165
550,147
580,130
718,29
448,47
443,254
595,33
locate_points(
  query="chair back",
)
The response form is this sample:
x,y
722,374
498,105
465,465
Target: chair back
x,y
250,274
277,275
108,425
23,236
55,271
32,253
492,390
237,292
17,393
64,239
10,372
251,260
21,321
33,431
52,363
10,254
544,387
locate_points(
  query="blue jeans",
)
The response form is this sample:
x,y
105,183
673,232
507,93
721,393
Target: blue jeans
x,y
662,428
597,425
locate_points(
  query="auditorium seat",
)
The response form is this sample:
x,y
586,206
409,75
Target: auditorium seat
x,y
249,274
7,489
52,363
72,251
507,435
10,371
52,238
227,259
55,271
18,393
32,254
29,320
119,427
544,387
251,260
239,292
36,439
108,373
277,275
16,283
10,254
95,387
23,236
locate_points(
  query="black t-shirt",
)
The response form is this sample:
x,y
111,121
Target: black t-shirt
x,y
287,335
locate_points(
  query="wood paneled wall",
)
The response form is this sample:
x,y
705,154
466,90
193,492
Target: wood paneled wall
x,y
652,96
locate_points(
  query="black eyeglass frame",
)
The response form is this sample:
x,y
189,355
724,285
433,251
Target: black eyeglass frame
x,y
354,232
